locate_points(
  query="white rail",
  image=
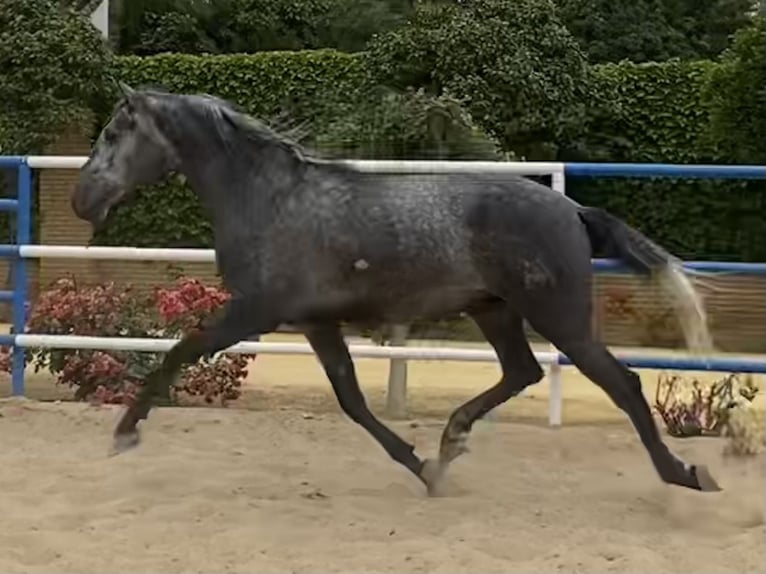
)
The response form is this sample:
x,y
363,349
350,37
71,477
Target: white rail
x,y
361,351
117,253
369,166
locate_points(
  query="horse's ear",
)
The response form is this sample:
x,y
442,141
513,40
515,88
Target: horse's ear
x,y
126,90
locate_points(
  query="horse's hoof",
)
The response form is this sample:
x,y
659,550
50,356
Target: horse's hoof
x,y
432,474
124,441
454,447
706,482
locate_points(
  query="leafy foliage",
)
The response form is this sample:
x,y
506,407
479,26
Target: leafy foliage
x,y
736,96
512,63
264,84
247,26
53,66
653,30
111,311
609,31
660,115
348,25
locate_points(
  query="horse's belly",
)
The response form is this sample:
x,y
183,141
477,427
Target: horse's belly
x,y
391,304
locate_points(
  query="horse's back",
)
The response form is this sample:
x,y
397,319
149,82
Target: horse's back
x,y
390,246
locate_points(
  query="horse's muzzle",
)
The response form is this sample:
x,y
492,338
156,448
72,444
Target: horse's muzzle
x,y
92,198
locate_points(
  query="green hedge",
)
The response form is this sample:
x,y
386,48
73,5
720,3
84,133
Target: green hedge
x,y
264,84
661,115
656,113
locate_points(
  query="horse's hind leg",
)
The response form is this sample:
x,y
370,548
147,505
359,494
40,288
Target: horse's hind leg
x,y
331,350
504,330
574,338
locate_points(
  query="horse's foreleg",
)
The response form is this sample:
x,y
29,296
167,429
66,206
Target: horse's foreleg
x,y
240,319
332,352
503,329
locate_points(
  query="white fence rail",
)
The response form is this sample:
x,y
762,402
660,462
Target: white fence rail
x,y
247,347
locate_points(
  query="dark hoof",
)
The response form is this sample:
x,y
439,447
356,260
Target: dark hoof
x,y
432,474
124,441
705,481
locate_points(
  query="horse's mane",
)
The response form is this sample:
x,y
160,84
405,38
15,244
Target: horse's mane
x,y
232,126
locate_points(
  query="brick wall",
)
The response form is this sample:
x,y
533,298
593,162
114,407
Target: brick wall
x,y
58,225
736,304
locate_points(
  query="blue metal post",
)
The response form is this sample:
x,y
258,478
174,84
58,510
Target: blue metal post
x,y
23,237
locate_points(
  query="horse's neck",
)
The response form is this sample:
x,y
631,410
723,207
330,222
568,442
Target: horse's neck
x,y
242,185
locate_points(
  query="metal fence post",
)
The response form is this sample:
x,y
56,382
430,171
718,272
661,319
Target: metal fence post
x,y
23,237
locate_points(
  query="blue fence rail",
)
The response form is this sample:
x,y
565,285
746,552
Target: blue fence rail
x,y
22,208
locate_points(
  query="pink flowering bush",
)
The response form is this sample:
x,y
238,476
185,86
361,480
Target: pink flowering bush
x,y
111,311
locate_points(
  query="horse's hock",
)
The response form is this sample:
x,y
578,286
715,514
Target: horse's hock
x,y
736,306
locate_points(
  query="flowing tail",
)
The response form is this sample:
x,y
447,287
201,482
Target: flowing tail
x,y
617,239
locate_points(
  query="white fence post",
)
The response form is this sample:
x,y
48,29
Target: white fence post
x,y
396,397
554,370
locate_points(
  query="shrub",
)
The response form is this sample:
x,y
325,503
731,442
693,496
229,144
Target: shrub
x,y
660,115
695,409
746,431
737,99
53,66
520,73
112,311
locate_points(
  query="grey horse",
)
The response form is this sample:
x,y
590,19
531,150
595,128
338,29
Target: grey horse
x,y
315,243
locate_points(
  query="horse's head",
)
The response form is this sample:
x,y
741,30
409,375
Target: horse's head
x,y
130,151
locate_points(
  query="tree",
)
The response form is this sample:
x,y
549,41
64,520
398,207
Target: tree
x,y
653,30
514,65
349,24
154,26
229,26
736,95
53,68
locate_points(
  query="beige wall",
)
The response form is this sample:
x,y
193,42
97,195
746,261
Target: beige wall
x,y
736,305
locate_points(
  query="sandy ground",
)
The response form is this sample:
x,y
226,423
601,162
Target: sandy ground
x,y
282,482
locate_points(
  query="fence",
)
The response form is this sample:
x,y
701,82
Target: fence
x,y
22,250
